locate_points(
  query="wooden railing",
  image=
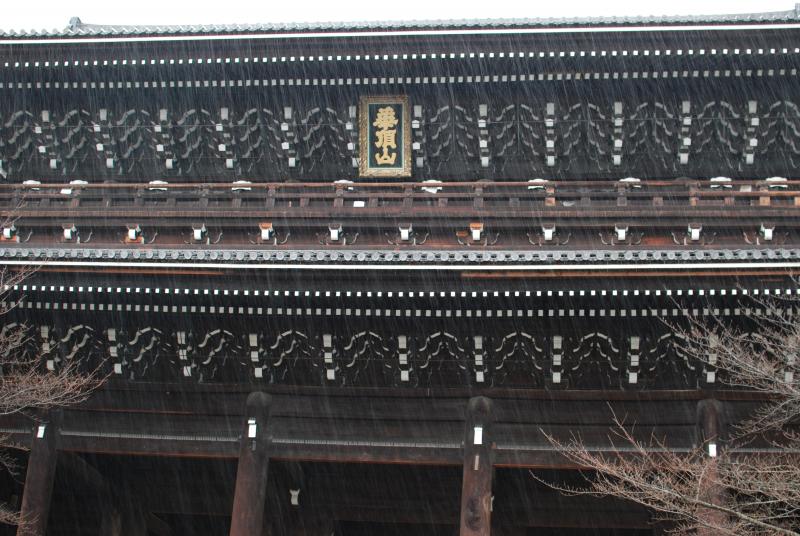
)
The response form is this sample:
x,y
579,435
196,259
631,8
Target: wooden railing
x,y
405,199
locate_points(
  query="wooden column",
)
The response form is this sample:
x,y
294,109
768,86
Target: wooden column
x,y
251,475
711,426
39,477
476,487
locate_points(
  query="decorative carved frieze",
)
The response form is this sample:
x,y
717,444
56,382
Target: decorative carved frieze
x,y
510,354
456,137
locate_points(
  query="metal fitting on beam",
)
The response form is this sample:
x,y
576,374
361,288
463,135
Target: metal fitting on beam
x,y
476,231
267,231
70,231
621,231
199,231
694,231
9,232
134,232
405,232
549,232
767,232
335,230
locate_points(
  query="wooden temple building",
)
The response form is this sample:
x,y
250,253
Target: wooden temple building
x,y
343,278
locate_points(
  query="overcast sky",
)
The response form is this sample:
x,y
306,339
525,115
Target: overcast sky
x,y
49,14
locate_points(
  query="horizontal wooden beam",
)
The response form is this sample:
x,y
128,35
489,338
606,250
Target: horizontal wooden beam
x,y
524,405
205,423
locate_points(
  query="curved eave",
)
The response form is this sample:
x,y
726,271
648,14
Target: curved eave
x,y
111,33
607,268
646,261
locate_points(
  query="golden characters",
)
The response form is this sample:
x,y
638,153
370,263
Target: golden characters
x,y
386,135
384,140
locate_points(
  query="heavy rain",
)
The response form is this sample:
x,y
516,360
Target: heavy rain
x,y
518,276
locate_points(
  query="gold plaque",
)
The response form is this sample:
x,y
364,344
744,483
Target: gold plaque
x,y
384,136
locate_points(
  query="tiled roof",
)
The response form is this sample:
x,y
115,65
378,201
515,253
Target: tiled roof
x,y
76,28
419,258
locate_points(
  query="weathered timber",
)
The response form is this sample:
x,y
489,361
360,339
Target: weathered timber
x,y
251,475
40,476
710,415
478,470
568,285
355,427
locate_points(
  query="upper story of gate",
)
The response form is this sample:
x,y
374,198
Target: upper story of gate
x,y
560,99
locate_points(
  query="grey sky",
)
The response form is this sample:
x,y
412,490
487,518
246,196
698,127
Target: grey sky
x,y
49,14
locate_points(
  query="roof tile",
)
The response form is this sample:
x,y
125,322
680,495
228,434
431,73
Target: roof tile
x,y
76,28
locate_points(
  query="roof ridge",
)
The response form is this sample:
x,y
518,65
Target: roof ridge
x,y
78,28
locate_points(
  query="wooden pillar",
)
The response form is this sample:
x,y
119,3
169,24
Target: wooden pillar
x,y
710,422
251,474
40,476
476,488
711,427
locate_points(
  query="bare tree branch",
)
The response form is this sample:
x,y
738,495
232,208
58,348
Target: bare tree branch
x,y
736,491
26,384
